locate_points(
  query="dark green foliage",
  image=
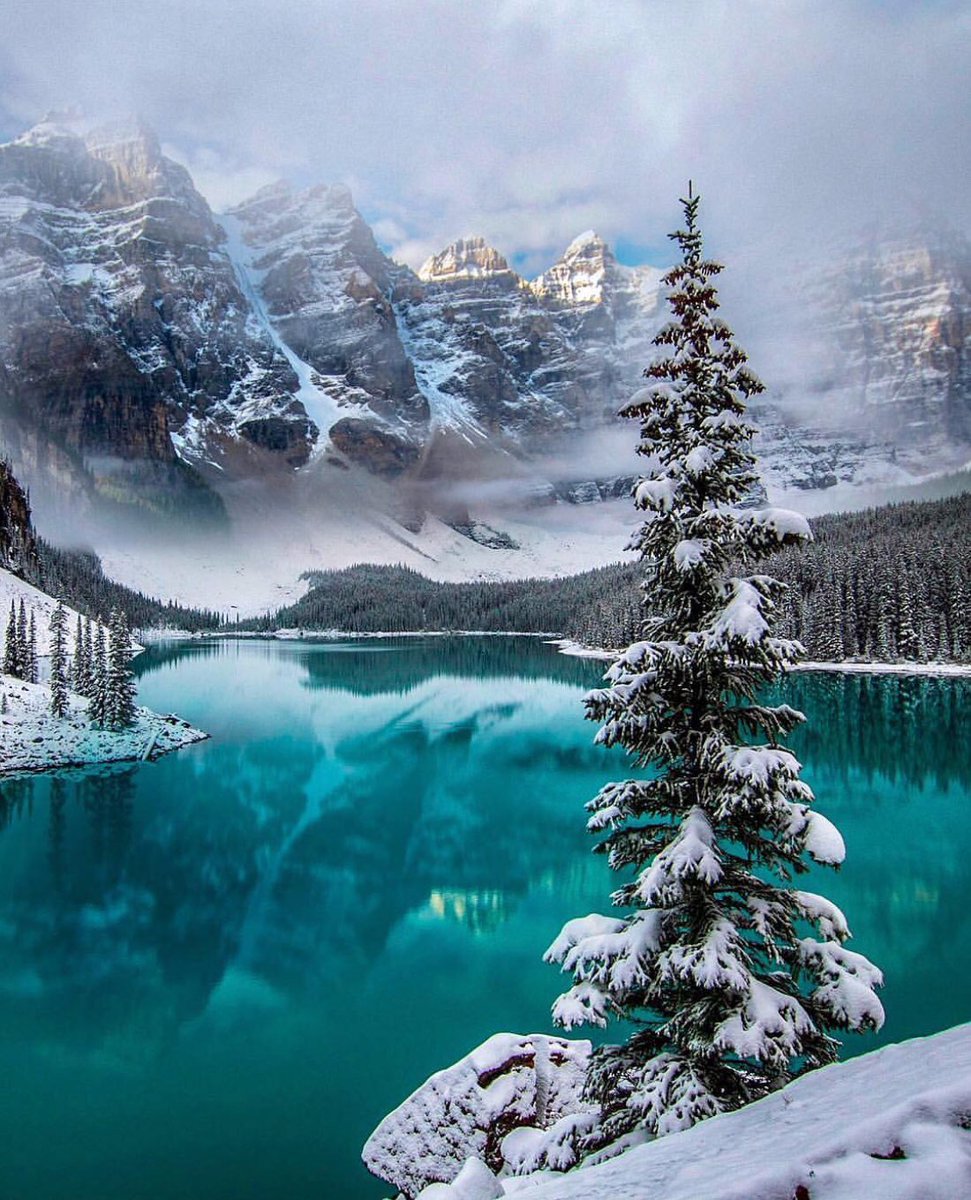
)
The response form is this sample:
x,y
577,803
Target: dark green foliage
x,y
595,607
119,704
891,583
59,666
77,575
11,645
99,708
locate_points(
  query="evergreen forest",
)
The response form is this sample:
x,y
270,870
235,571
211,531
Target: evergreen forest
x,y
890,584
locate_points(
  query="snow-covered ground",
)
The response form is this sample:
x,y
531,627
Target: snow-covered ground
x,y
891,1125
32,740
577,650
877,668
334,522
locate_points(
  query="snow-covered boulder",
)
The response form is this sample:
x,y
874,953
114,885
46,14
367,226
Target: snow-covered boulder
x,y
498,1105
474,1182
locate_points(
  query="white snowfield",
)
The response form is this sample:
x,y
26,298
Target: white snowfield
x,y
32,740
891,1125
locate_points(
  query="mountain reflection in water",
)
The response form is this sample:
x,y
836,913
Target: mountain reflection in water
x,y
218,971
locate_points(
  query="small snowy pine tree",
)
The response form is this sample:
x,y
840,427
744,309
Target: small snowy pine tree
x,y
88,667
120,709
730,999
32,674
23,642
98,695
11,659
58,661
78,670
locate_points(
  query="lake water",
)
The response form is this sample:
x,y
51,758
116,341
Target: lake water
x,y
219,971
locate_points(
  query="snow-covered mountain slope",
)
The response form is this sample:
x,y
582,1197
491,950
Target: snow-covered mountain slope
x,y
893,1125
151,355
339,518
317,277
121,320
13,590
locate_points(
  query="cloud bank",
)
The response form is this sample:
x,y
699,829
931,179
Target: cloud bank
x,y
526,121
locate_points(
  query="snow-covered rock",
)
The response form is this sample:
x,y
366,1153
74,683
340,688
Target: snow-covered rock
x,y
494,1105
32,740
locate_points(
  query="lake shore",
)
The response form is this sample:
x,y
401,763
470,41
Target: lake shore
x,y
953,670
32,740
563,645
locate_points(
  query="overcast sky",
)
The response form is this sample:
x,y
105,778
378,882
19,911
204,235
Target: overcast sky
x,y
531,120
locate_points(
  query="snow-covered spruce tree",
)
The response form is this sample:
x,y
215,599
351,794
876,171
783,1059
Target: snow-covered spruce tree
x,y
59,671
715,965
98,693
23,642
78,667
11,648
32,673
120,683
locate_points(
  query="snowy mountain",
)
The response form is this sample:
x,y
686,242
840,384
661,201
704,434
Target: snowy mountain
x,y
156,358
122,326
320,285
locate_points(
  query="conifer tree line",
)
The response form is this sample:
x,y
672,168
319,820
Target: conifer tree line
x,y
77,576
891,583
20,644
99,670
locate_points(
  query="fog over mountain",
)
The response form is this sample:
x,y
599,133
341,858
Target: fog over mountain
x,y
418,344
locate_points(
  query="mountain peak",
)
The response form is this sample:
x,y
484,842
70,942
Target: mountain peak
x,y
580,275
467,258
586,245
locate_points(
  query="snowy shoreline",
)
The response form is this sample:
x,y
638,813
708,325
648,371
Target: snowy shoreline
x,y
33,741
952,670
563,645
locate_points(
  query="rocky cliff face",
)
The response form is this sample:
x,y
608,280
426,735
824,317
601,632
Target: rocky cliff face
x,y
527,361
149,351
898,311
315,274
121,322
18,549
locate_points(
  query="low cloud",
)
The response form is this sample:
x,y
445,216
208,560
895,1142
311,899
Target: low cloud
x,y
528,123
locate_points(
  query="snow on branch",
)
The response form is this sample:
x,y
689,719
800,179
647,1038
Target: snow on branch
x,y
670,1096
769,528
658,494
768,1025
580,929
583,1004
718,960
845,992
692,855
824,913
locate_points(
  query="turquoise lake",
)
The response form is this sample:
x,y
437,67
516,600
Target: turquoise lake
x,y
219,971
